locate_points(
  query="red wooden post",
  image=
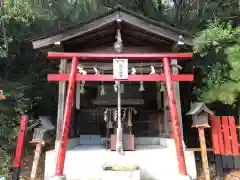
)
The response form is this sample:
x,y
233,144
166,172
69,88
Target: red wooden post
x,y
175,118
19,148
214,134
220,136
217,143
233,131
66,120
226,136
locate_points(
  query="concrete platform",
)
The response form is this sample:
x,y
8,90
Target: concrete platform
x,y
156,162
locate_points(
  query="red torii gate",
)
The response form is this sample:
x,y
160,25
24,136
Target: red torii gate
x,y
167,76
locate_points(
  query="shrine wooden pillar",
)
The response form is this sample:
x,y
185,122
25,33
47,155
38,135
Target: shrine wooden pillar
x,y
75,105
160,118
175,70
167,120
61,95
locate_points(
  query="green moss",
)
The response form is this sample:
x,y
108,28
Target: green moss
x,y
118,167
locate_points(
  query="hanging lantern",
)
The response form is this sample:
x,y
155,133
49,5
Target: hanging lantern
x,y
162,87
102,92
141,88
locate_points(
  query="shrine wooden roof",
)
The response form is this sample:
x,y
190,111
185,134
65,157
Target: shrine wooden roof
x,y
135,28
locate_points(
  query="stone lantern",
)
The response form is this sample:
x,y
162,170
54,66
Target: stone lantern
x,y
200,113
41,136
42,133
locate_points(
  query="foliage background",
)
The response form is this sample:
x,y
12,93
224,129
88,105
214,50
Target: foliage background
x,y
23,71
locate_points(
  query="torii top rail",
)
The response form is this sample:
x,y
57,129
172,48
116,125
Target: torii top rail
x,y
74,76
107,77
145,56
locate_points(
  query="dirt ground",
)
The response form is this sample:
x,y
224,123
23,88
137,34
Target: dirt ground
x,y
234,175
27,166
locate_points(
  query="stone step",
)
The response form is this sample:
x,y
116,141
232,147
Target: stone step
x,y
86,162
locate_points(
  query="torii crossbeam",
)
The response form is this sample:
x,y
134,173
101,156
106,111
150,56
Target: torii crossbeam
x,y
167,76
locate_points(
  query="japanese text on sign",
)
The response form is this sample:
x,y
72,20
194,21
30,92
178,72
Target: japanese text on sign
x,y
120,69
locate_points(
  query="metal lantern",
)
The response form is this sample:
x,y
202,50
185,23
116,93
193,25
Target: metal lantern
x,y
200,114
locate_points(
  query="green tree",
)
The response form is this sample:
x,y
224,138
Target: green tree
x,y
218,48
23,71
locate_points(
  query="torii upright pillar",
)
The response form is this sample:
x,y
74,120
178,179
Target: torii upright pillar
x,y
61,153
176,128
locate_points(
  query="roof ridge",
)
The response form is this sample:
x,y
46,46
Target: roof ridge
x,y
117,10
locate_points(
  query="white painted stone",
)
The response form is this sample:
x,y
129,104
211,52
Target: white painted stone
x,y
155,162
169,143
184,177
58,178
120,175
